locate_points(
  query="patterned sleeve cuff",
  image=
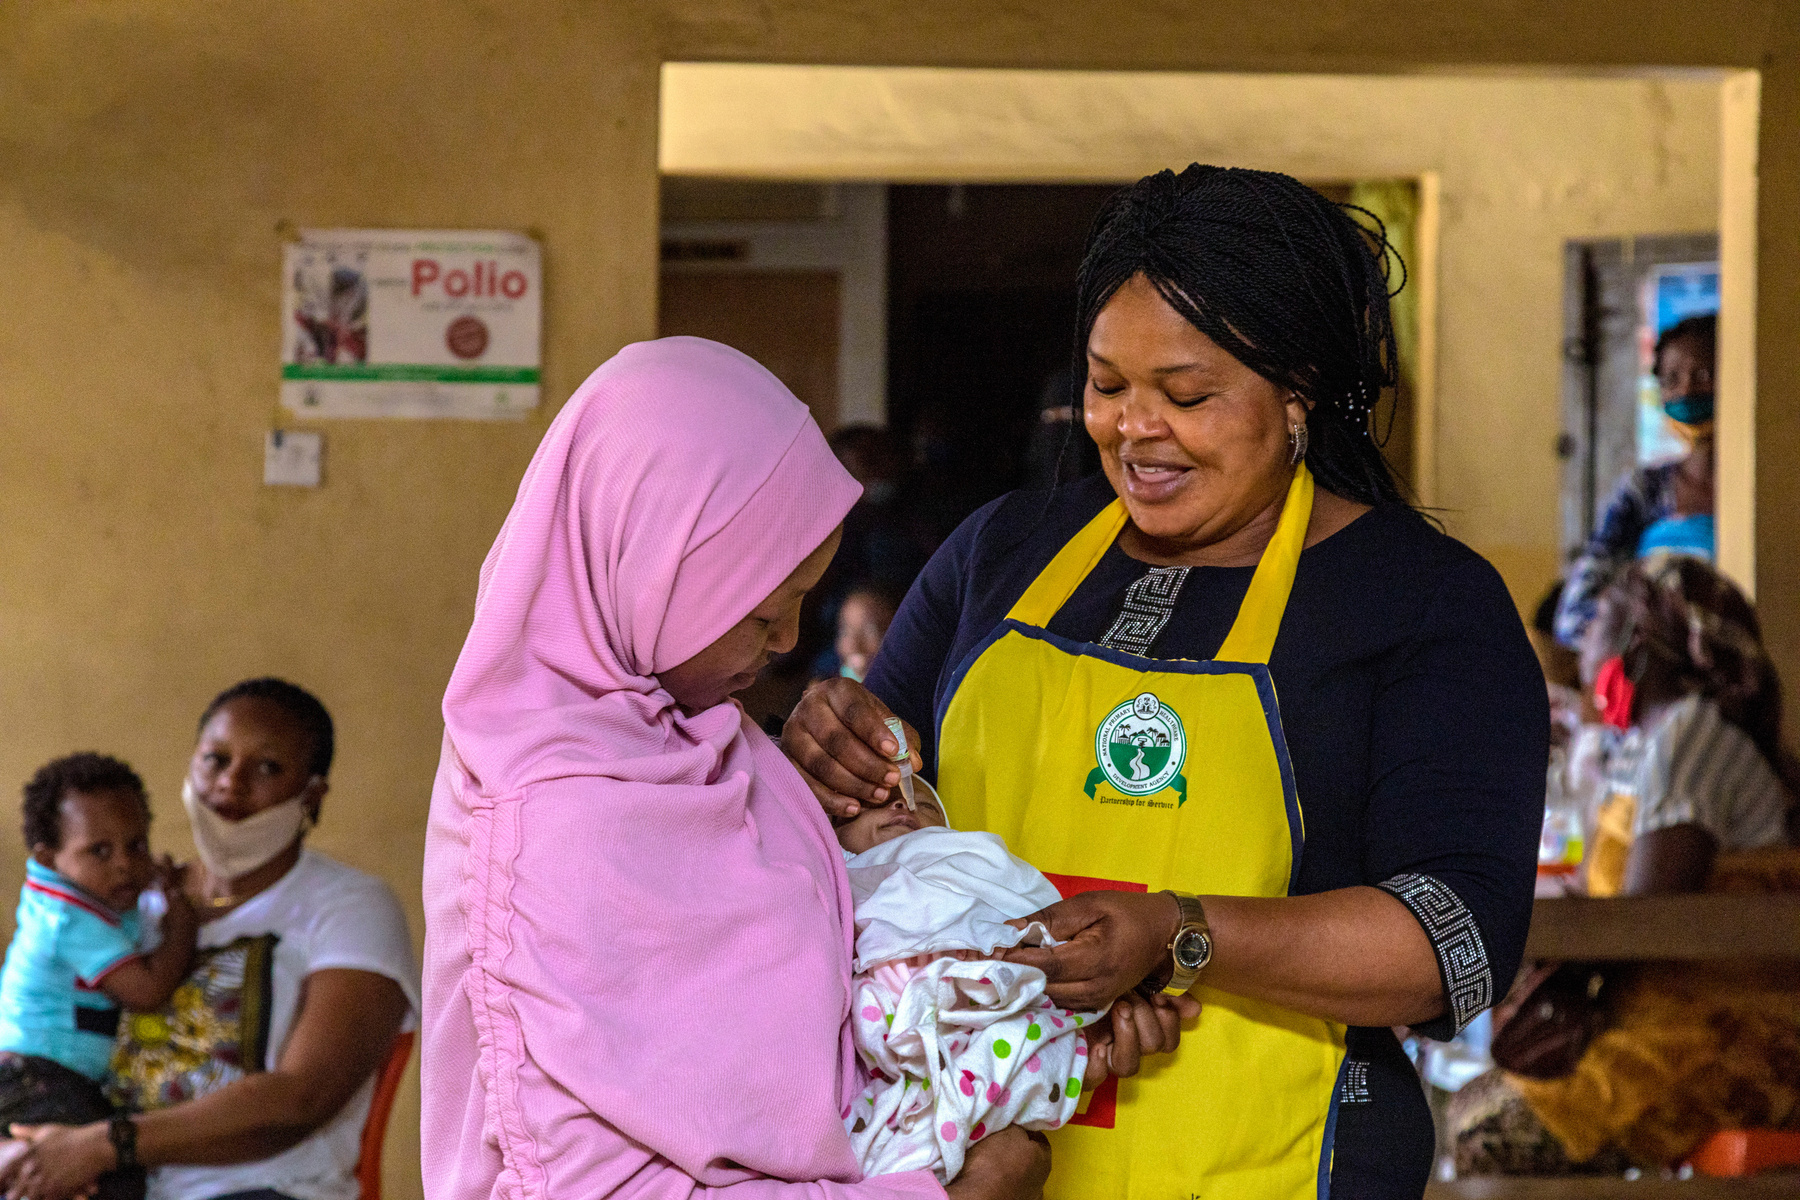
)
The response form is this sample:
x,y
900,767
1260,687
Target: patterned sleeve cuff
x,y
1461,954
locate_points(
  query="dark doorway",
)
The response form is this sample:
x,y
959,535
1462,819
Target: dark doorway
x,y
981,316
1612,413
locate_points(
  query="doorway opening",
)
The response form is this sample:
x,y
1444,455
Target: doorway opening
x,y
972,287
930,325
1619,296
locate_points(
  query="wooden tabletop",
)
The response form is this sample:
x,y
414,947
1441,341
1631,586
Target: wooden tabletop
x,y
1767,1186
1667,927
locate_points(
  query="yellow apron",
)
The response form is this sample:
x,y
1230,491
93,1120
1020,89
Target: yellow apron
x,y
1107,770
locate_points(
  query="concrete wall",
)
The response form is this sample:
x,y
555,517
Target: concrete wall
x,y
148,151
1524,164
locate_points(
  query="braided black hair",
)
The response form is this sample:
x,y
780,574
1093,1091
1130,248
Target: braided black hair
x,y
1282,279
299,704
87,773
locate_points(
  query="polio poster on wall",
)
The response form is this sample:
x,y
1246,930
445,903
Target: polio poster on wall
x,y
411,323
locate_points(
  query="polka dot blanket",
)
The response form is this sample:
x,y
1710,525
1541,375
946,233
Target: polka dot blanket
x,y
955,1044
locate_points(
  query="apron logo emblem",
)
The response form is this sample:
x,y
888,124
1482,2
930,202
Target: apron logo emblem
x,y
1140,749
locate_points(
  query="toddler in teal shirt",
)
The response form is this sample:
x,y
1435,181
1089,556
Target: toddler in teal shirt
x,y
77,952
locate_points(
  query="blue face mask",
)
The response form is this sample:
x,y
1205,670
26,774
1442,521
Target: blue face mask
x,y
1695,408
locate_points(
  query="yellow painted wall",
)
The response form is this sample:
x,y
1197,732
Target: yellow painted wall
x,y
1524,165
147,153
148,149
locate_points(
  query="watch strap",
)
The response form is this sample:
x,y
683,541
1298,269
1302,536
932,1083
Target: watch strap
x,y
1193,918
121,1131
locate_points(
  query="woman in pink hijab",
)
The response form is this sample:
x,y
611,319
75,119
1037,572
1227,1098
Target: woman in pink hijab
x,y
638,924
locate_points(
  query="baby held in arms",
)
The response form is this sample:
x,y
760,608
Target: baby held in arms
x,y
956,1043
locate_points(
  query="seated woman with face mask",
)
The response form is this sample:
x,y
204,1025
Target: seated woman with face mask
x,y
305,968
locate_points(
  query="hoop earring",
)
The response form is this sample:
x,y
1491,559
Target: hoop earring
x,y
1297,440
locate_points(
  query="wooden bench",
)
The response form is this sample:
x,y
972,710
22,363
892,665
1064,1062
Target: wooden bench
x,y
1650,928
1767,1186
1666,927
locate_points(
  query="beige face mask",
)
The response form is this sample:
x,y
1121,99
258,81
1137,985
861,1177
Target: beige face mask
x,y
232,849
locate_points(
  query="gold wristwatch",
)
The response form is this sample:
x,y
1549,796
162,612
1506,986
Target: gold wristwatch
x,y
1191,947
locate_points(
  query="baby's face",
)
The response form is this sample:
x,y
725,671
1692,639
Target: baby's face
x,y
873,826
105,845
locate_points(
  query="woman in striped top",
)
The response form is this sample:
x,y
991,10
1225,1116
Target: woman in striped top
x,y
1698,777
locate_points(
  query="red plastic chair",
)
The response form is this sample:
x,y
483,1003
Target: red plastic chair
x,y
381,1106
1732,1152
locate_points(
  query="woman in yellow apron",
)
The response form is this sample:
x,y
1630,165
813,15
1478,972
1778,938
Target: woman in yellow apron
x,y
1279,742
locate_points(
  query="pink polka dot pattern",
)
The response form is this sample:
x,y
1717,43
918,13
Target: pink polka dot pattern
x,y
963,1076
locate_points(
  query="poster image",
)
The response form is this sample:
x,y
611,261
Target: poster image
x,y
331,308
411,323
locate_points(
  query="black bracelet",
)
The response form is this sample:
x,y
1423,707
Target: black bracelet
x,y
1157,980
121,1131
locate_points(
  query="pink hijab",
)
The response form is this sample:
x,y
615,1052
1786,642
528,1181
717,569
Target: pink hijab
x,y
638,924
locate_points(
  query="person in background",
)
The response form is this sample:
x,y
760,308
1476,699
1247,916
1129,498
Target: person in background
x,y
1668,506
1562,673
1058,450
881,541
1562,667
863,620
1698,789
1677,662
254,1081
78,953
883,548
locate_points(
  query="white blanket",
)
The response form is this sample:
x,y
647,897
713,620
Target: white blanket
x,y
956,1044
942,889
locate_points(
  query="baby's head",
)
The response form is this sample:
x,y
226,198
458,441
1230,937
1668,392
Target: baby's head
x,y
87,819
873,826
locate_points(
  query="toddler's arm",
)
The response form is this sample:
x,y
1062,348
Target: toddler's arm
x,y
145,983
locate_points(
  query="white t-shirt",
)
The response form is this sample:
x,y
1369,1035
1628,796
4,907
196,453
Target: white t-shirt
x,y
325,915
1690,766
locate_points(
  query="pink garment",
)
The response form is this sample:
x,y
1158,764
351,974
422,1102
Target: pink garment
x,y
627,908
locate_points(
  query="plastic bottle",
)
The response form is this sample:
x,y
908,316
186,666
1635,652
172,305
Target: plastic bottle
x,y
1561,844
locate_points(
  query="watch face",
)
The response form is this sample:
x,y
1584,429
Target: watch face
x,y
1192,949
